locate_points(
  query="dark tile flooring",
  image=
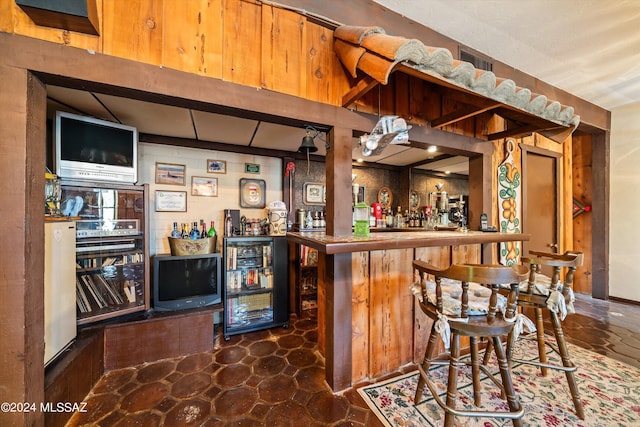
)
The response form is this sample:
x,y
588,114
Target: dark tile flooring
x,y
276,378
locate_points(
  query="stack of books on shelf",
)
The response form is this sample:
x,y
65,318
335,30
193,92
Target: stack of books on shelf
x,y
309,257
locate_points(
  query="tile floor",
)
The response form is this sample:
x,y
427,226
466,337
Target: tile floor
x,y
276,378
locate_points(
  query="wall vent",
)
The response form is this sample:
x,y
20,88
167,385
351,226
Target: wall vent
x,y
476,61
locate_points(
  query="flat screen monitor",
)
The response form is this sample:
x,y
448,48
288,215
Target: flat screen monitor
x,y
183,282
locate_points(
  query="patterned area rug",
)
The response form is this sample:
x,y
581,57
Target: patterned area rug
x,y
610,392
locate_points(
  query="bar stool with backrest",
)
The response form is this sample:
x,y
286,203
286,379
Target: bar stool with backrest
x,y
549,294
460,306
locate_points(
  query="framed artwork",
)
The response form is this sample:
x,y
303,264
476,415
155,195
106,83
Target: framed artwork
x,y
170,173
171,201
216,166
385,198
314,193
252,193
251,168
203,186
414,200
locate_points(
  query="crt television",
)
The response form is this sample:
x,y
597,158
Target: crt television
x,y
183,282
94,149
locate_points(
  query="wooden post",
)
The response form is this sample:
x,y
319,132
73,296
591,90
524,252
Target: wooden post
x,y
22,140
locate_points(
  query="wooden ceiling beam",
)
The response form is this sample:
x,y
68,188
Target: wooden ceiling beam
x,y
363,86
462,114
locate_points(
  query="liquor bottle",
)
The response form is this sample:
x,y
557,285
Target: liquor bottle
x,y
228,225
203,229
185,231
194,234
323,221
212,231
175,233
398,221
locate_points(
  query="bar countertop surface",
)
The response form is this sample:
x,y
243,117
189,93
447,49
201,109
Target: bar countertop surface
x,y
398,240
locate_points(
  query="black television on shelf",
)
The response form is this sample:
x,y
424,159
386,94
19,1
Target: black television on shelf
x,y
183,282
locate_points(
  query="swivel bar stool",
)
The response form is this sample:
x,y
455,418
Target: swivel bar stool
x,y
460,306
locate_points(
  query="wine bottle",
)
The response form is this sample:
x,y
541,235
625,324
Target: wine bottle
x,y
175,233
203,229
185,231
212,230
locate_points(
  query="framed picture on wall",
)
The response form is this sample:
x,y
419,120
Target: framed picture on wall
x,y
203,186
170,173
216,166
314,193
171,201
252,193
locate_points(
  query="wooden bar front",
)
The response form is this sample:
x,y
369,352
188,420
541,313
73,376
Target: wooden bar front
x,y
382,331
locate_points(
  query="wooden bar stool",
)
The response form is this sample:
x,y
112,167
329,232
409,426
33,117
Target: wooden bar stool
x,y
549,294
459,306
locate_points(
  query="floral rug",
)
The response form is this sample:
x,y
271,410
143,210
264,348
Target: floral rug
x,y
610,393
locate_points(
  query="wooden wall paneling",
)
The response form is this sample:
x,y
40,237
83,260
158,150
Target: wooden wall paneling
x,y
401,95
7,12
322,302
242,42
284,64
360,315
133,343
466,254
327,81
546,143
72,380
192,39
421,104
582,224
391,305
13,19
440,257
566,196
133,30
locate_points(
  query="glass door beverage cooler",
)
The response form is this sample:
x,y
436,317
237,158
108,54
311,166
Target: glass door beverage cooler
x,y
255,284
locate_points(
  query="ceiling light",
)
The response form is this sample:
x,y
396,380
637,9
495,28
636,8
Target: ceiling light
x,y
432,149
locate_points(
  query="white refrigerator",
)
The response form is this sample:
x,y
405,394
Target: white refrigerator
x,y
59,287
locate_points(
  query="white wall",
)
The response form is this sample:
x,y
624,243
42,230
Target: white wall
x,y
199,207
624,229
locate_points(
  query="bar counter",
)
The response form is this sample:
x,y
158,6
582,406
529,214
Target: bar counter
x,y
407,238
368,325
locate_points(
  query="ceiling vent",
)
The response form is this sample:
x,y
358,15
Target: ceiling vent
x,y
476,61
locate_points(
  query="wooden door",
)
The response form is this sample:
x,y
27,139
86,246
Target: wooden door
x,y
540,212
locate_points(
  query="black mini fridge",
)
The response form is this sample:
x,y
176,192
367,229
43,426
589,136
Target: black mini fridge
x,y
255,283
